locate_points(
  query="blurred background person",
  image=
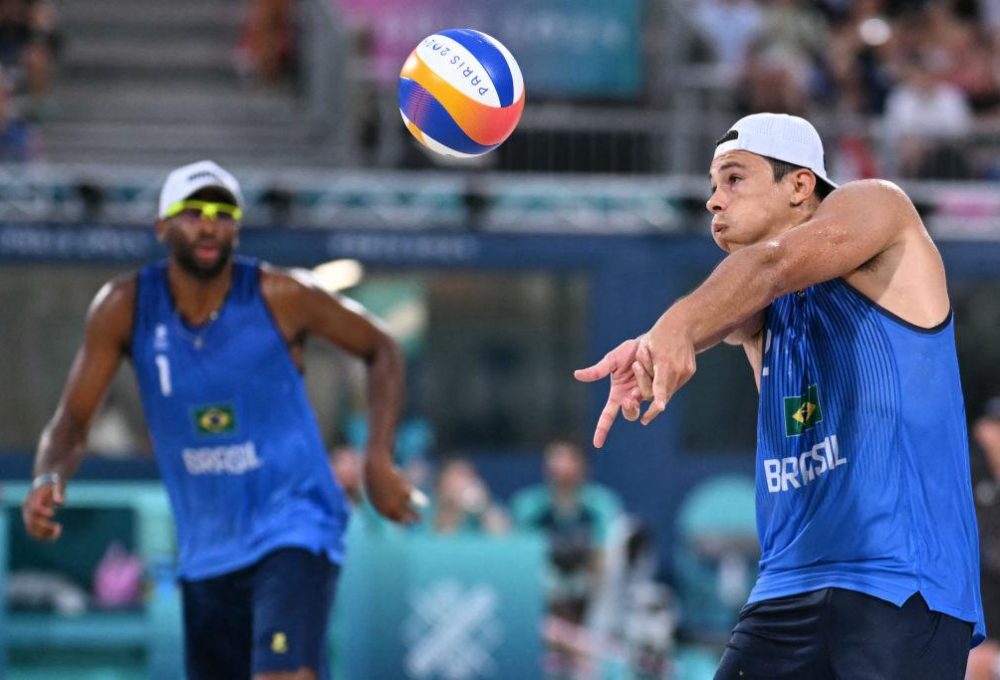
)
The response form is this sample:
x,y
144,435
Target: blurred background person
x,y
984,661
19,138
786,60
266,51
925,116
462,504
29,40
575,516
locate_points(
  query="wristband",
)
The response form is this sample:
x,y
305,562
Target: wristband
x,y
45,479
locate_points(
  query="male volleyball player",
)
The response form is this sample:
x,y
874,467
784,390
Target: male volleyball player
x,y
869,565
216,342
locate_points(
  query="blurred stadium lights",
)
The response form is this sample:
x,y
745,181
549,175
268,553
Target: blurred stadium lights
x,y
338,275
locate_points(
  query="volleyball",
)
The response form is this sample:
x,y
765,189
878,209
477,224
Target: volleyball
x,y
461,93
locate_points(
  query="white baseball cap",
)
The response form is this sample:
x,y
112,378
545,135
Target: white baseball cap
x,y
779,136
188,179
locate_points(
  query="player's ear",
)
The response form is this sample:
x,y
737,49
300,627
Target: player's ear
x,y
803,186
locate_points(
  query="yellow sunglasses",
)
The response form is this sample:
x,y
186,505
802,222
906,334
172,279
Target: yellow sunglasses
x,y
209,210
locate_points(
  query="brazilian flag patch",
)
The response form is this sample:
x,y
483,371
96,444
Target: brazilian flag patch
x,y
802,412
215,419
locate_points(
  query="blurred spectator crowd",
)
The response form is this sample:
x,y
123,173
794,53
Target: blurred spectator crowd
x,y
927,72
29,41
610,610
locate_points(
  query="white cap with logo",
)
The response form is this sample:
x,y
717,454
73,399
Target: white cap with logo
x,y
779,136
188,179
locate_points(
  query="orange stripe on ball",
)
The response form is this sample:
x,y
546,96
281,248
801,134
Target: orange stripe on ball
x,y
415,131
486,125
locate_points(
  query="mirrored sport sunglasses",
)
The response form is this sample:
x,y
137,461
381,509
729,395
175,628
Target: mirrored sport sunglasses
x,y
209,210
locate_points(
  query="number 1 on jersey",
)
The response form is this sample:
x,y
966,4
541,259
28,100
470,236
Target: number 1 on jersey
x,y
163,364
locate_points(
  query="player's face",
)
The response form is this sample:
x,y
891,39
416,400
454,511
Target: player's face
x,y
747,205
201,245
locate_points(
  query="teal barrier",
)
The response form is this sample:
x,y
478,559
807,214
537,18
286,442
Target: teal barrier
x,y
409,605
440,608
127,644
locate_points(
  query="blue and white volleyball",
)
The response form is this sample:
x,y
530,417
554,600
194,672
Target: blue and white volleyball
x,y
461,92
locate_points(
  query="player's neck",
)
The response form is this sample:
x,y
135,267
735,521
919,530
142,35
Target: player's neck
x,y
796,219
196,299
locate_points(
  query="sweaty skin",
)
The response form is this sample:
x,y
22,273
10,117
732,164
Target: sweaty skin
x,y
780,239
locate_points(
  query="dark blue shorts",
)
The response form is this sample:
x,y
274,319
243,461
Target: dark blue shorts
x,y
837,634
269,617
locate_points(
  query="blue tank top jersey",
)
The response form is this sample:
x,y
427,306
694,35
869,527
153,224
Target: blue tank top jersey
x,y
862,456
235,437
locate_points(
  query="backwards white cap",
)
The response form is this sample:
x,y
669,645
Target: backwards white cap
x,y
779,136
188,179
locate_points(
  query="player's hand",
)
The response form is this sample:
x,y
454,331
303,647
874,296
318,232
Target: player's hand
x,y
39,510
622,394
664,362
390,493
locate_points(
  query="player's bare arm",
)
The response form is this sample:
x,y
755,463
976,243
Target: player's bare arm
x,y
859,226
302,308
62,444
867,232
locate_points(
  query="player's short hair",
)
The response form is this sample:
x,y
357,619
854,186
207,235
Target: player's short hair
x,y
779,169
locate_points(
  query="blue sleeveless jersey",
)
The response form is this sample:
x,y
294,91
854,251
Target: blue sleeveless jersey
x,y
235,437
862,456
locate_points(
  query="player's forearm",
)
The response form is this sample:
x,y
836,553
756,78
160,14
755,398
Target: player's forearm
x,y
61,447
386,389
743,284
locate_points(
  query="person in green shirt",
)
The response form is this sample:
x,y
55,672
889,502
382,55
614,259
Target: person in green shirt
x,y
575,515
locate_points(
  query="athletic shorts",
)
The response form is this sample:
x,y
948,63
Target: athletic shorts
x,y
269,617
837,634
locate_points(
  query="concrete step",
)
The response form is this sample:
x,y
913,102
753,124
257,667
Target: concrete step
x,y
125,102
165,135
151,12
147,81
166,158
153,143
146,31
164,54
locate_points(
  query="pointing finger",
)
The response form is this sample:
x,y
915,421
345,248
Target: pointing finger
x,y
605,422
601,369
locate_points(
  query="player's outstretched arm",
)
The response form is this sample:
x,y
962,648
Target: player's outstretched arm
x,y
349,326
853,225
62,444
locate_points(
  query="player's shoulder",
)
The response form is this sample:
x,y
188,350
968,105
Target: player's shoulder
x,y
287,284
116,295
883,188
112,311
874,202
872,193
